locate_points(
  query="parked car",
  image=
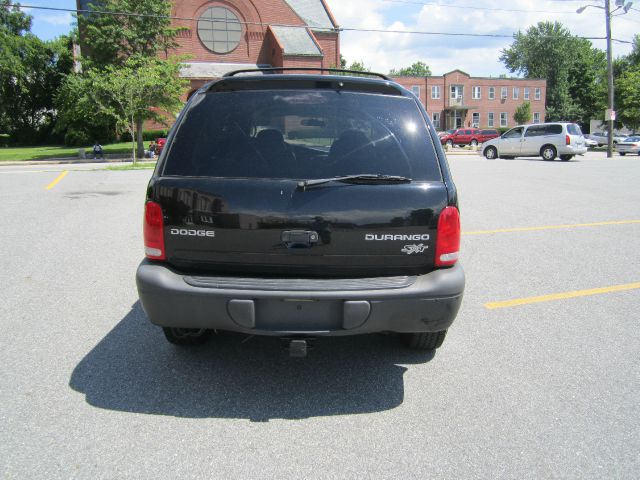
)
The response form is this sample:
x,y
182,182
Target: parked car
x,y
462,136
488,135
629,145
589,142
300,206
446,132
603,138
548,140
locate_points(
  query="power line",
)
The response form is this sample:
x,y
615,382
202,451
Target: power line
x,y
495,9
345,29
475,7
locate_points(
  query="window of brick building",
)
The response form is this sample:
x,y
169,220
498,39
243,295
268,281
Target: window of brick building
x,y
490,119
503,119
475,122
537,94
435,117
526,93
492,93
536,117
219,29
435,92
416,90
516,93
503,92
476,93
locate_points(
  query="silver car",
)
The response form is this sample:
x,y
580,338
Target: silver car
x,y
629,145
548,140
603,138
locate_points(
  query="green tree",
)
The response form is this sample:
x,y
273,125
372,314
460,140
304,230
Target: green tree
x,y
111,42
572,67
79,120
628,99
418,69
358,67
30,71
125,92
112,39
522,114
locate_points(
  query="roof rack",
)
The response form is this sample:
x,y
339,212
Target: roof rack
x,y
305,69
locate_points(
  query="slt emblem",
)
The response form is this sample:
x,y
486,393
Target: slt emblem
x,y
409,249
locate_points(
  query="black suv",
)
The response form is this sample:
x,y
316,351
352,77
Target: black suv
x,y
301,205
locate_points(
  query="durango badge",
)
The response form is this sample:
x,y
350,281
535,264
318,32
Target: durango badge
x,y
409,249
415,237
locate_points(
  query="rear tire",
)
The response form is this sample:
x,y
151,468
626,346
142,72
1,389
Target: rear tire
x,y
450,143
424,340
566,158
623,154
490,153
548,153
474,143
186,337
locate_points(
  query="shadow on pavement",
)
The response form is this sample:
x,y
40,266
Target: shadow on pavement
x,y
134,369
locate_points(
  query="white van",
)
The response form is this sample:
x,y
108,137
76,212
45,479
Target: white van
x,y
549,140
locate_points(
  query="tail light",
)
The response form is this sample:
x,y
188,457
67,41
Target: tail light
x,y
153,231
568,140
448,237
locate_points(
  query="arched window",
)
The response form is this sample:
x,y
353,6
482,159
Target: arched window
x,y
219,29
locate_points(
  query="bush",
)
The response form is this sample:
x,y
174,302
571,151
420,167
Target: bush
x,y
147,136
76,138
5,139
154,135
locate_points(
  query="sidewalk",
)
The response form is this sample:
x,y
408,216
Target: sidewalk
x,y
461,151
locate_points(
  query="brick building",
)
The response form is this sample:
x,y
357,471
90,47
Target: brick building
x,y
457,100
225,35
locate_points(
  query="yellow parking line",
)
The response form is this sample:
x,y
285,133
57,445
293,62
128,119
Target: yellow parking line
x,y
58,178
550,227
561,296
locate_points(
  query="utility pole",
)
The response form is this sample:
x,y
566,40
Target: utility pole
x,y
610,116
607,12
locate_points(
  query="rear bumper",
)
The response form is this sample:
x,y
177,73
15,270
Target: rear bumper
x,y
425,303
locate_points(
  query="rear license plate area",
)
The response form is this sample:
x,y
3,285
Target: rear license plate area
x,y
298,315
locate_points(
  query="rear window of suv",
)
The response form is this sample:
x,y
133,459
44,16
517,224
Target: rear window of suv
x,y
302,134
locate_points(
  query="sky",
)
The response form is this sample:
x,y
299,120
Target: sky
x,y
381,52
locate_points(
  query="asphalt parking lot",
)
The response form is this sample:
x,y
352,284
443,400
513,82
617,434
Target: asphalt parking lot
x,y
539,376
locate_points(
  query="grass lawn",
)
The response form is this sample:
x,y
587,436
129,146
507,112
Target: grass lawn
x,y
38,153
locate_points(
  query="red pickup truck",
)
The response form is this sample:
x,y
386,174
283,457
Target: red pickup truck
x,y
468,136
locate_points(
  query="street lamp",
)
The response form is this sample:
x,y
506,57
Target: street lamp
x,y
610,117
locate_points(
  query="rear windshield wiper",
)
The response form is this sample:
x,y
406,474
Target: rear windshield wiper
x,y
362,178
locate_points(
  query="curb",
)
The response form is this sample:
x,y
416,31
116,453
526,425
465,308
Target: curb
x,y
464,154
66,161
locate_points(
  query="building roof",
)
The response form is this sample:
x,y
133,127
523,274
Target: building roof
x,y
213,69
296,41
312,12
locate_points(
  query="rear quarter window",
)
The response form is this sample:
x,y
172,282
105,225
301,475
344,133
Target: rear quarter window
x,y
302,134
574,129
